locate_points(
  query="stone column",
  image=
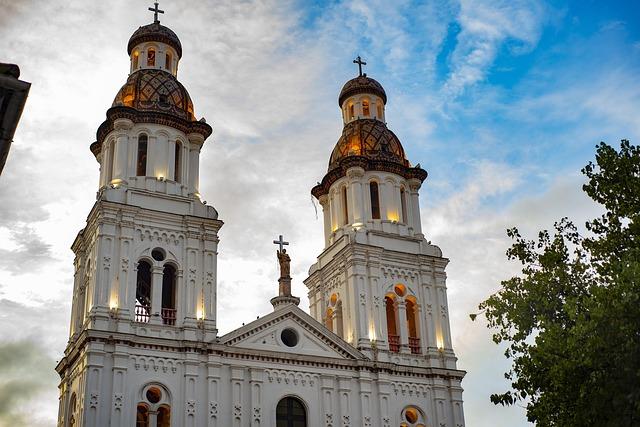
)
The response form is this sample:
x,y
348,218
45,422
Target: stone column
x,y
414,186
156,294
402,326
122,127
171,160
195,141
356,212
326,214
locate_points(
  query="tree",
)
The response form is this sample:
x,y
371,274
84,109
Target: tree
x,y
571,319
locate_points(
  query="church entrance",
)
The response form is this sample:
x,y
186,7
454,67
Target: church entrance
x,y
290,412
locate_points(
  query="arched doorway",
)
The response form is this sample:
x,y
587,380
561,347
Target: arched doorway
x,y
290,412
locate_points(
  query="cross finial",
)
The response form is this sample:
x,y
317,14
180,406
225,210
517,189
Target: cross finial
x,y
280,242
156,11
360,63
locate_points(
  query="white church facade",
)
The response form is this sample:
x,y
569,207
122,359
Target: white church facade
x,y
375,349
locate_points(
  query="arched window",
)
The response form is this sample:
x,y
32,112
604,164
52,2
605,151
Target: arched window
x,y
379,108
169,295
365,108
136,54
142,415
345,206
352,111
392,330
167,61
143,292
328,320
141,162
164,416
290,412
177,162
73,403
375,200
412,417
403,206
151,57
109,162
412,325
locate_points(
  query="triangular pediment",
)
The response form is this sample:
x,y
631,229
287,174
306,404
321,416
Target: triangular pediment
x,y
291,330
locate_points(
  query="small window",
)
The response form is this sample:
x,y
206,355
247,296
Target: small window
x,y
136,54
352,112
158,254
167,61
379,107
365,108
345,206
151,58
289,337
177,161
141,164
375,200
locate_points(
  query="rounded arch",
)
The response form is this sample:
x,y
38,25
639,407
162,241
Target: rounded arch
x,y
291,411
413,416
71,409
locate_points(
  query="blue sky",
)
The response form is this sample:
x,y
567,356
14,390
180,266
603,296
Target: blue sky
x,y
502,102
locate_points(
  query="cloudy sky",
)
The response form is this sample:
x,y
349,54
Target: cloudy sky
x,y
501,101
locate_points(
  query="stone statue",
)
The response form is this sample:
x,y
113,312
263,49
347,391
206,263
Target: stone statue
x,y
285,261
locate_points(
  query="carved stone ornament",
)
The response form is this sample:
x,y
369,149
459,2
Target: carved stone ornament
x,y
213,409
93,400
191,407
118,400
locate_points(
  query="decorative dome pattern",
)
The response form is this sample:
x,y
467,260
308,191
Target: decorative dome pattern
x,y
361,84
155,90
155,33
368,138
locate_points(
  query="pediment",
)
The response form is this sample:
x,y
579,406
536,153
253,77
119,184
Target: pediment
x,y
291,330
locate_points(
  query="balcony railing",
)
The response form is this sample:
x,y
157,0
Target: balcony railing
x,y
143,313
169,316
394,343
414,345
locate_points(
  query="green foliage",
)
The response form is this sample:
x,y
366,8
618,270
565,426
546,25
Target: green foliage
x,y
571,320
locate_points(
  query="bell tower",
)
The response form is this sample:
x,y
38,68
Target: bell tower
x,y
144,290
378,283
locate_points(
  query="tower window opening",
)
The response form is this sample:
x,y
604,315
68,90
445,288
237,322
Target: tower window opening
x,y
412,326
403,205
352,111
169,295
141,163
142,415
375,200
164,417
328,320
392,330
379,108
365,108
109,161
290,412
177,161
167,61
151,58
136,55
143,292
345,206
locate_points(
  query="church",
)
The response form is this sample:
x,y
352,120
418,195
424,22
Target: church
x,y
374,349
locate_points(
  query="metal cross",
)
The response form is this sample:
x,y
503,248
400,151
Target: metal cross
x,y
360,63
280,242
156,11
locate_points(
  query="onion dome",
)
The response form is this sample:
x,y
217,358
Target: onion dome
x,y
368,138
361,84
155,90
155,33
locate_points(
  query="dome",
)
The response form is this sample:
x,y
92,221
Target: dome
x,y
361,84
368,138
155,33
155,90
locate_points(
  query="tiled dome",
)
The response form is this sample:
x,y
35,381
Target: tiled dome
x,y
368,138
361,84
155,90
155,33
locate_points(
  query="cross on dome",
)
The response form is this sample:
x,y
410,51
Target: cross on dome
x,y
280,242
360,63
155,11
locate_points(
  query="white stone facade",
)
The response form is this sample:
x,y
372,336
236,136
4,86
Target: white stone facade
x,y
144,349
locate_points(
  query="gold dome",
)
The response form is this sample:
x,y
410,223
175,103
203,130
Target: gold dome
x,y
155,90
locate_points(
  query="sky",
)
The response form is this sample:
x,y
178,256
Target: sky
x,y
502,102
